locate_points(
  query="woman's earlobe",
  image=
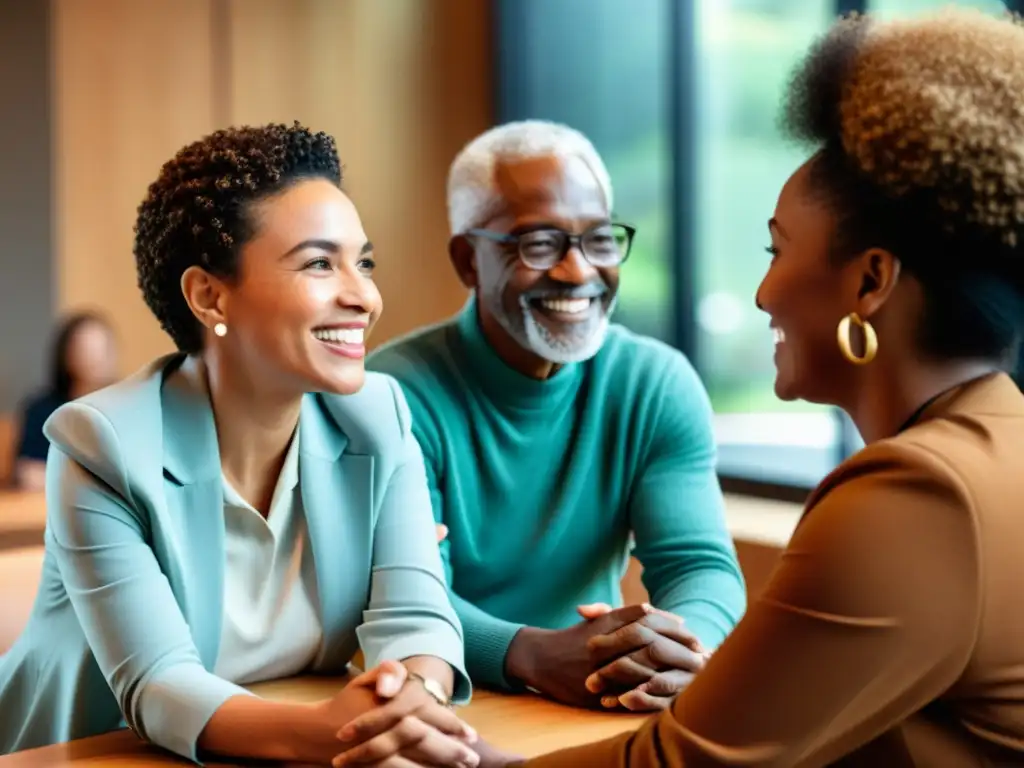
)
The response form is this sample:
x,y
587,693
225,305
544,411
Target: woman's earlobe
x,y
205,298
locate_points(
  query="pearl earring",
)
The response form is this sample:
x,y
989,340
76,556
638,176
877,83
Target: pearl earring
x,y
220,329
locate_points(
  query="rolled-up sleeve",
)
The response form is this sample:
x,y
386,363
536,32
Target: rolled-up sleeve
x,y
410,613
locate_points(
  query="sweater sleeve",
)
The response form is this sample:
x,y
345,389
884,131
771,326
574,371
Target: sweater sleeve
x,y
869,617
677,513
487,638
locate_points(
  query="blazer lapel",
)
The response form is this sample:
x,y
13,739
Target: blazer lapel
x,y
195,505
337,495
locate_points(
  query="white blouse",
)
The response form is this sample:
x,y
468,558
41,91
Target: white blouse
x,y
271,627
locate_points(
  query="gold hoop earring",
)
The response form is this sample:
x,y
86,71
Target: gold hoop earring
x,y
220,329
846,345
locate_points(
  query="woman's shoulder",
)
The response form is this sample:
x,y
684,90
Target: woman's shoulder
x,y
894,507
949,458
969,446
93,429
889,460
941,498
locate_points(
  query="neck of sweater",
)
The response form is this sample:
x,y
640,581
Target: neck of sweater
x,y
500,382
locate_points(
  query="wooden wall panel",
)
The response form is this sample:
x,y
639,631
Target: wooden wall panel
x,y
132,84
402,85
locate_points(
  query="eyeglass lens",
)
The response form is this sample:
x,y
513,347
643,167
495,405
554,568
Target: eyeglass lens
x,y
603,246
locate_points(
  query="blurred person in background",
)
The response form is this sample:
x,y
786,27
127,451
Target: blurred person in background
x,y
84,359
555,439
891,632
251,507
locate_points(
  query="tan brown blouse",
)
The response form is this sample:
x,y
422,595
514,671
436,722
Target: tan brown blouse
x,y
892,632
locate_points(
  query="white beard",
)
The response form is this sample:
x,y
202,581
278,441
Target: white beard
x,y
578,341
573,343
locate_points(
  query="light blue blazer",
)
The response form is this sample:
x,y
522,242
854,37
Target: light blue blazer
x,y
126,626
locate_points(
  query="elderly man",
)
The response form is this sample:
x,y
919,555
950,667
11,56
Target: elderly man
x,y
554,439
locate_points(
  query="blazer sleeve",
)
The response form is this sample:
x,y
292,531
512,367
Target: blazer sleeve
x,y
122,599
870,616
410,613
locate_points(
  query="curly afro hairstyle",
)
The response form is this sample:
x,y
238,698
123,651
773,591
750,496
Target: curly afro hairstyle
x,y
918,127
198,211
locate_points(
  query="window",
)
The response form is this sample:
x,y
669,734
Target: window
x,y
681,98
746,52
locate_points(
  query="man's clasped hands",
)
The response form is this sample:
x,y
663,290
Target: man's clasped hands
x,y
634,658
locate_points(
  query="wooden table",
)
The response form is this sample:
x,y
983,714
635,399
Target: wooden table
x,y
22,519
525,725
522,724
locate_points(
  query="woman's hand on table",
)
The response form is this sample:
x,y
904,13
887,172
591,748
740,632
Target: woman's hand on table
x,y
644,665
353,700
410,728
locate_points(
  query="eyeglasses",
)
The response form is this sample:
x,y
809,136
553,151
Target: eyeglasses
x,y
603,245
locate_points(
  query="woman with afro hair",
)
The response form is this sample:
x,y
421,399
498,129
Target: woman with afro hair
x,y
251,507
891,633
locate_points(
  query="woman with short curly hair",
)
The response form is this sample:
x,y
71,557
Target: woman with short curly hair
x,y
891,633
252,507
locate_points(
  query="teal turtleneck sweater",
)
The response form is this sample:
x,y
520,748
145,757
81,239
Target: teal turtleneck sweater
x,y
541,483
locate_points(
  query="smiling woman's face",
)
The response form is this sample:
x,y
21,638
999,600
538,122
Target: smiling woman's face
x,y
304,299
805,295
